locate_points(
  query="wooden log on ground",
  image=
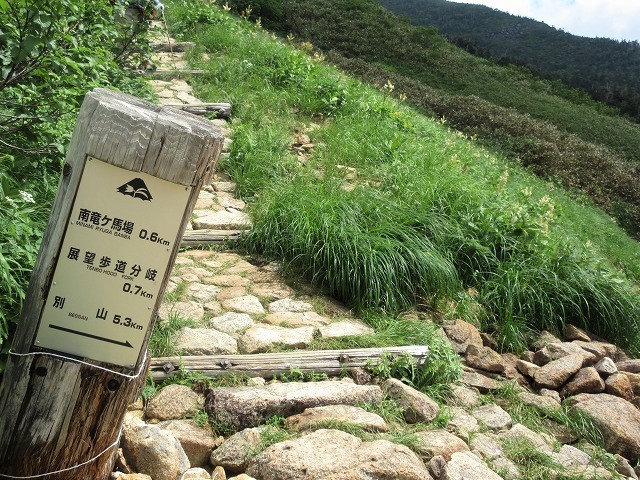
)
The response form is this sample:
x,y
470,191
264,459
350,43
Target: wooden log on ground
x,y
194,238
170,73
222,110
267,365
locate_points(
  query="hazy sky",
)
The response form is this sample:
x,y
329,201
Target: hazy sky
x,y
617,19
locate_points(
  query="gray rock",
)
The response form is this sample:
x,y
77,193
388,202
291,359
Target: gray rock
x,y
506,467
556,351
191,310
202,293
290,305
484,358
296,319
232,323
544,339
606,367
462,334
431,443
336,455
467,466
461,423
272,290
260,338
345,328
520,432
417,406
204,341
464,396
631,366
528,369
174,402
619,385
234,454
245,304
552,394
618,420
437,466
569,456
598,349
196,474
587,380
483,383
227,219
624,468
571,332
492,416
249,406
485,446
555,373
197,442
314,417
228,293
540,401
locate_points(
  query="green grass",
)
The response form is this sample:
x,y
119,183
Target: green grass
x,y
161,341
429,214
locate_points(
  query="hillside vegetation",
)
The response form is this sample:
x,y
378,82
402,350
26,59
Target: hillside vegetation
x,y
608,69
561,133
389,210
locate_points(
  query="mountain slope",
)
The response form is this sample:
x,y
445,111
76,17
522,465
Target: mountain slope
x,y
609,70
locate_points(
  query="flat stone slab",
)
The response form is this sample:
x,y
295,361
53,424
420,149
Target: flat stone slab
x,y
336,455
261,338
191,310
492,416
244,304
232,323
296,319
290,305
314,417
467,466
245,407
204,341
345,328
202,293
228,219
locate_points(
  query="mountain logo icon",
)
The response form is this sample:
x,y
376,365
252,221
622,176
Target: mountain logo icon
x,y
136,188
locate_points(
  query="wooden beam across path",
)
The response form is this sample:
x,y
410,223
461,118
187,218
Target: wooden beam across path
x,y
196,238
267,365
222,110
132,175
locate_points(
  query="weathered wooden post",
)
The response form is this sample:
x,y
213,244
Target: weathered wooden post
x,y
132,176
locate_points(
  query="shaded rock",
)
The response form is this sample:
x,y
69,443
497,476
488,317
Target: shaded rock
x,y
631,366
464,396
634,380
232,322
174,402
618,420
556,351
462,334
467,466
527,356
492,416
314,417
249,406
360,376
606,366
598,349
544,339
624,468
555,373
483,383
510,362
204,341
437,466
296,319
345,328
569,456
197,442
417,406
484,358
619,385
587,380
432,443
219,474
290,305
571,332
244,304
236,451
129,476
488,341
552,394
337,455
260,338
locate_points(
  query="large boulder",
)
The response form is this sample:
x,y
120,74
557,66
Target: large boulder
x,y
417,406
337,455
197,442
618,420
174,402
485,359
245,407
587,380
345,414
555,373
462,334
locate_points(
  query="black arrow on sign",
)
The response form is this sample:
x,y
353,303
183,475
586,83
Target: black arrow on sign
x,y
95,337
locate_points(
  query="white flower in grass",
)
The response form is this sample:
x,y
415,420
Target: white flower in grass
x,y
26,197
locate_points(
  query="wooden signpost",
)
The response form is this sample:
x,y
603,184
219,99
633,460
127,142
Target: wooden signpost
x,y
131,179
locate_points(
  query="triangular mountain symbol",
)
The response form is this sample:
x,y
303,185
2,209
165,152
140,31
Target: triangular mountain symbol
x,y
136,188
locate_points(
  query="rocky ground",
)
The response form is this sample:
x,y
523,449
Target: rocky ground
x,y
510,416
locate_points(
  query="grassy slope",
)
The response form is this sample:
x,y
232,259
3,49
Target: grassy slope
x,y
429,213
560,133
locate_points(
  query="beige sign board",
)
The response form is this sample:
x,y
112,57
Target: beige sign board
x,y
114,257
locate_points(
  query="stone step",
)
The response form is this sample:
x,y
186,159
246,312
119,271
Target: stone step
x,y
172,47
194,238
